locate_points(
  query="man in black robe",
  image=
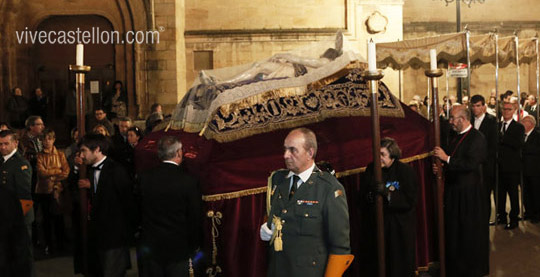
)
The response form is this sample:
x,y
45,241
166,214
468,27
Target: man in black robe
x,y
465,211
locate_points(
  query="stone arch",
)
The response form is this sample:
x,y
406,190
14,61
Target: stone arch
x,y
124,15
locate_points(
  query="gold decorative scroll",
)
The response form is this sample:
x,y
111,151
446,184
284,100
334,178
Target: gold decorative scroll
x,y
295,106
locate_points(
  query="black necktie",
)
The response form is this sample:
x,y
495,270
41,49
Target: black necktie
x,y
294,185
503,130
99,166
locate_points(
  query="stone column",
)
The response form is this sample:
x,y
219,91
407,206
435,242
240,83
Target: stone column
x,y
166,60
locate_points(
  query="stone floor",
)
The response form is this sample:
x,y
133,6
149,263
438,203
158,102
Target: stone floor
x,y
513,253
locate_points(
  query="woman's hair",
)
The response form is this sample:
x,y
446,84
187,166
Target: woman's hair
x,y
392,146
107,134
137,131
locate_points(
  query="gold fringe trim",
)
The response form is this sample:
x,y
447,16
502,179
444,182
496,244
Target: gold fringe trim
x,y
234,194
363,169
259,190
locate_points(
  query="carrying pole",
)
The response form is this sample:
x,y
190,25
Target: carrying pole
x,y
433,75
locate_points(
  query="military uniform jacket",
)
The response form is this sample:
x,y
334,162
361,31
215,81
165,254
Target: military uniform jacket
x,y
16,175
315,224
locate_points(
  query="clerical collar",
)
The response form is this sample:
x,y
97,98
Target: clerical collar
x,y
466,130
170,162
8,156
99,163
304,176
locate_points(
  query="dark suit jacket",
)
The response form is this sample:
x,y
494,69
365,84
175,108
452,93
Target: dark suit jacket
x,y
531,154
489,129
171,208
113,213
510,146
14,251
122,152
529,110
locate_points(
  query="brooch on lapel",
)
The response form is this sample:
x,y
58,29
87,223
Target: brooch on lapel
x,y
392,186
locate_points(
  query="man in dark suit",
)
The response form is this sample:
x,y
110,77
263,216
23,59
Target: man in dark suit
x,y
532,106
112,210
121,148
487,125
171,209
465,211
531,170
511,139
100,117
16,175
309,211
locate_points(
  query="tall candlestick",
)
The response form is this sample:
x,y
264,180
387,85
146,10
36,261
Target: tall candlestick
x,y
433,59
372,57
80,54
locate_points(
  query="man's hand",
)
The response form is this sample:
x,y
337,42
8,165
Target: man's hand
x,y
78,160
439,153
381,189
266,233
84,184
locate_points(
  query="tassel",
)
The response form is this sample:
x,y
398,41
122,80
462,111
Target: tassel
x,y
191,272
278,242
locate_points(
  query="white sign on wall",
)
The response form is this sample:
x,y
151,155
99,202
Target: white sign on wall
x,y
457,70
94,87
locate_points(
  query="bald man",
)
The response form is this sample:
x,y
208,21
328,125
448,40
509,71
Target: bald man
x,y
309,214
465,208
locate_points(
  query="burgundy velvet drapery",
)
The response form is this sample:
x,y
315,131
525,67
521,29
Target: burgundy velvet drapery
x,y
247,163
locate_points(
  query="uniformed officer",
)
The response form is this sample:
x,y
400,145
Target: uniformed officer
x,y
16,175
309,220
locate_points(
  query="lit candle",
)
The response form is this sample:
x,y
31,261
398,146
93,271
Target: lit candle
x,y
433,59
372,57
80,54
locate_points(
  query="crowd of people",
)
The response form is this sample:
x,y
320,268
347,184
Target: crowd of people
x,y
44,182
160,210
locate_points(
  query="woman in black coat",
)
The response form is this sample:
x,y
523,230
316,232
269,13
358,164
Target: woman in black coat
x,y
399,191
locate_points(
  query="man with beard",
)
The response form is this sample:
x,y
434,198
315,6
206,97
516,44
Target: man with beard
x,y
112,210
465,210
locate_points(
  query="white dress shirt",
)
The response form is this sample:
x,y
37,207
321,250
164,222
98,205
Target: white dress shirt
x,y
304,176
478,121
97,173
8,156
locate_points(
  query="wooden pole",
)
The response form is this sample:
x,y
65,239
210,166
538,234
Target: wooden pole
x,y
80,72
433,76
374,78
